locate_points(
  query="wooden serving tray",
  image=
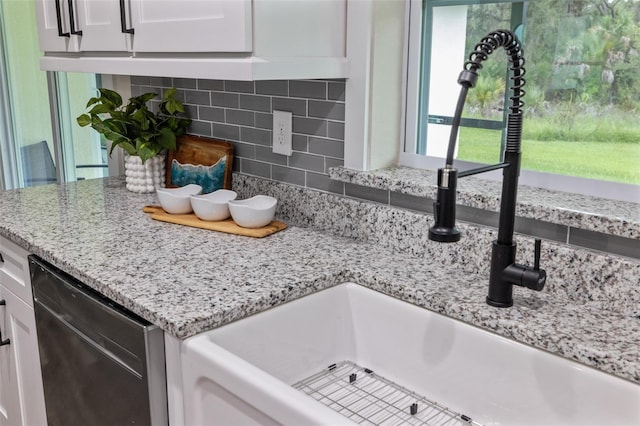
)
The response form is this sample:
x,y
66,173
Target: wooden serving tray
x,y
228,226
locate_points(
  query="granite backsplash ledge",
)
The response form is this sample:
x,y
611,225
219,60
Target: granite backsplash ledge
x,y
619,218
581,276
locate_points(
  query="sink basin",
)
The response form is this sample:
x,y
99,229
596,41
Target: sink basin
x,y
243,372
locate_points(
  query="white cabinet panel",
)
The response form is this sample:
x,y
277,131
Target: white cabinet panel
x,y
21,391
100,23
191,25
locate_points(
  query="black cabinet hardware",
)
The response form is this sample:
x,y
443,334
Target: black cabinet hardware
x,y
59,19
72,20
123,19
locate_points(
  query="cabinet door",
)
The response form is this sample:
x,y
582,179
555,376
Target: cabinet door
x,y
14,270
54,30
191,25
100,22
21,391
9,402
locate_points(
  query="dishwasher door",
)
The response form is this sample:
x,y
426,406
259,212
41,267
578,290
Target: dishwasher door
x,y
101,364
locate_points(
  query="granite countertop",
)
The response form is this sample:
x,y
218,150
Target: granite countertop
x,y
190,280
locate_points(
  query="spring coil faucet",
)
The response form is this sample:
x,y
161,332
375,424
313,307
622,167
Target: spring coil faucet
x,y
504,271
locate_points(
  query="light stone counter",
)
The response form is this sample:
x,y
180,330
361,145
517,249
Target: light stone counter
x,y
189,280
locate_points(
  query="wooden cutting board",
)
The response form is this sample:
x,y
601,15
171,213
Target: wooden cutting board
x,y
228,226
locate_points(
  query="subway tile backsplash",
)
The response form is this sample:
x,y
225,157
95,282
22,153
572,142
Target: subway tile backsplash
x,y
241,112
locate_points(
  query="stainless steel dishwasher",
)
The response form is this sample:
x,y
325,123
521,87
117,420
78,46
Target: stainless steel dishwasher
x,y
101,364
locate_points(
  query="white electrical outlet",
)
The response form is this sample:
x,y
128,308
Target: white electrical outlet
x,y
282,132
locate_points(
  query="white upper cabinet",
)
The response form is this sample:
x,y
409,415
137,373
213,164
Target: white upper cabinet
x,y
191,25
216,39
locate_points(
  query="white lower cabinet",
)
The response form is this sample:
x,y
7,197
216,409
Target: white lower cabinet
x,y
21,391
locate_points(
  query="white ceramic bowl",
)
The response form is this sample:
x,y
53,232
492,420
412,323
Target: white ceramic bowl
x,y
176,200
213,206
254,212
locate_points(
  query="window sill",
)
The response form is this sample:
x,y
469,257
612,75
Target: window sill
x,y
616,218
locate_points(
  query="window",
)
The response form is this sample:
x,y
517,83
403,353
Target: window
x,y
29,145
582,85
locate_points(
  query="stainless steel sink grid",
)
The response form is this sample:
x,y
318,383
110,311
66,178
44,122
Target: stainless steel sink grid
x,y
366,398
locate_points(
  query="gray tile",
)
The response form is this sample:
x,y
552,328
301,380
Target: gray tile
x,y
256,168
308,89
265,153
306,161
202,128
411,202
273,87
366,193
197,97
296,106
211,114
329,147
236,165
184,83
160,81
475,215
211,85
136,91
332,162
245,150
299,142
287,175
324,183
335,90
239,86
140,80
255,103
236,116
326,109
180,95
608,243
310,126
229,100
257,136
191,111
149,89
537,228
335,130
264,120
226,131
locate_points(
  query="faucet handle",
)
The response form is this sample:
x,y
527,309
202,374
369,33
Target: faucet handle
x,y
536,254
535,278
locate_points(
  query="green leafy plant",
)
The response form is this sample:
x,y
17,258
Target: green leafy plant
x,y
133,127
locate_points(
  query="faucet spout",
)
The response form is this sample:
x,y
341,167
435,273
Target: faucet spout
x,y
504,271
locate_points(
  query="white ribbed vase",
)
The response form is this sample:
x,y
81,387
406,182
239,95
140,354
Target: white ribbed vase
x,y
144,178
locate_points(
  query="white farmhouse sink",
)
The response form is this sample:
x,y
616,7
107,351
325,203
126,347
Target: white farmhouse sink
x,y
242,373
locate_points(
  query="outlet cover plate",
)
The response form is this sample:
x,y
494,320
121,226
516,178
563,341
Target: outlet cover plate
x,y
282,123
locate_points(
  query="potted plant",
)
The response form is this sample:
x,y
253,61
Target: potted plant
x,y
141,133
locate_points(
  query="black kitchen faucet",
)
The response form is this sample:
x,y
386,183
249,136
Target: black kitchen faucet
x,y
504,272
